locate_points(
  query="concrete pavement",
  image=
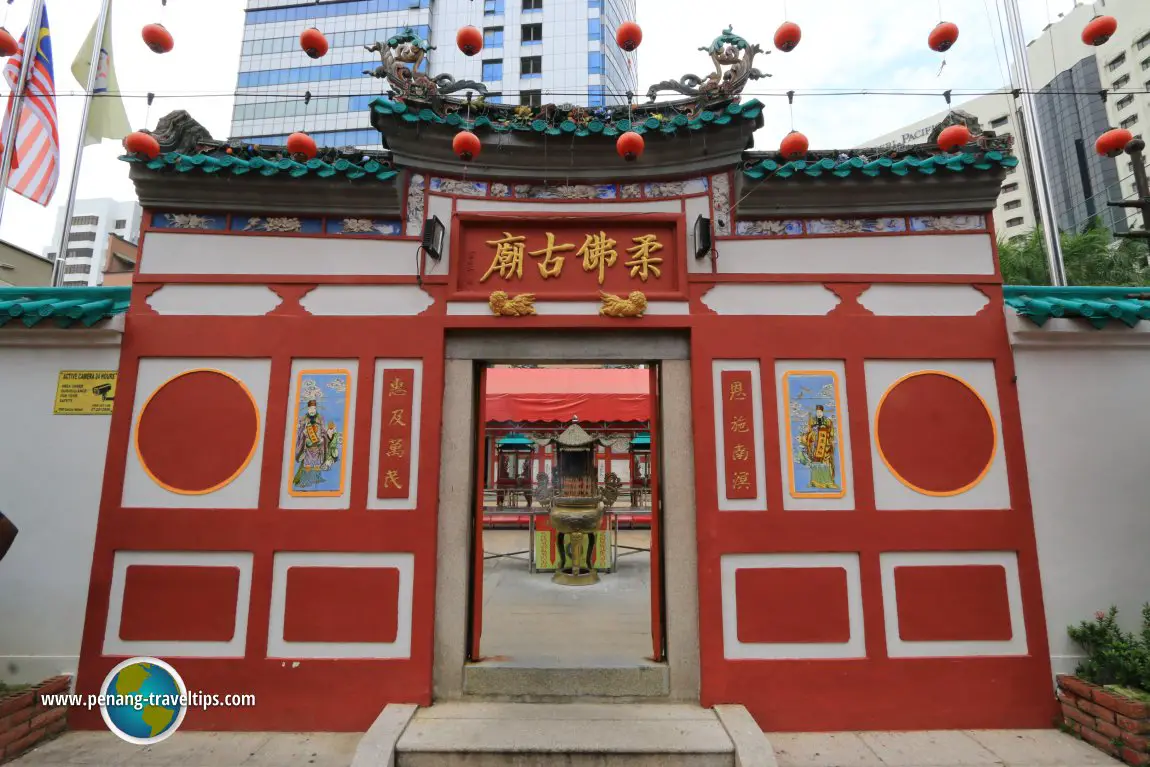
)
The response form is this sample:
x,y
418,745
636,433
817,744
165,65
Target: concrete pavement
x,y
966,748
951,748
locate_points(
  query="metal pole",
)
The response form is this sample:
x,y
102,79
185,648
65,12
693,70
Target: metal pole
x,y
31,31
1036,153
94,66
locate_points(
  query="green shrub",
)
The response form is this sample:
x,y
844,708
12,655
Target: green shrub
x,y
1114,656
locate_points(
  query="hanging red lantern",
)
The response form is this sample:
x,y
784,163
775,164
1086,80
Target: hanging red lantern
x,y
953,138
142,144
157,38
794,146
787,36
301,143
470,40
1113,142
8,44
630,146
313,42
466,145
943,37
1099,30
629,35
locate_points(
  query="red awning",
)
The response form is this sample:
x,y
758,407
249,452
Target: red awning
x,y
559,394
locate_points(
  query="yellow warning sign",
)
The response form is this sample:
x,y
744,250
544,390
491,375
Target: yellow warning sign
x,y
85,392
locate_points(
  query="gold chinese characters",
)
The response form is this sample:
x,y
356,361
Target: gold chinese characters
x,y
598,254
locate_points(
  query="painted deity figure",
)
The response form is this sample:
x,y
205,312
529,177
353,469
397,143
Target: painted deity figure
x,y
316,448
818,445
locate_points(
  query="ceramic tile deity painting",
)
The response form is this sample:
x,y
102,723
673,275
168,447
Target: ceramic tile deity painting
x,y
320,432
814,435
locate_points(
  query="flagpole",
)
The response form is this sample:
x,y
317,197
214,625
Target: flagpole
x,y
93,70
31,34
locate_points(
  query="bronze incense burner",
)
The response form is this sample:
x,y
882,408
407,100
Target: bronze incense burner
x,y
575,502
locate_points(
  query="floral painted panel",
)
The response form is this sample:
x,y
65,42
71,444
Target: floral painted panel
x,y
189,221
277,224
772,228
676,188
415,200
320,432
567,191
814,435
457,186
500,190
855,225
721,203
968,223
631,191
363,226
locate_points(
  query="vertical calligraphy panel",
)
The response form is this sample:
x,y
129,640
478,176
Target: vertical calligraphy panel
x,y
395,434
738,434
739,422
394,477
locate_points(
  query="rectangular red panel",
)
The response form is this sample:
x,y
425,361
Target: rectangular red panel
x,y
341,604
570,255
395,434
738,434
179,603
953,603
792,604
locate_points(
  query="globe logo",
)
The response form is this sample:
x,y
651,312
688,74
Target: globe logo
x,y
143,700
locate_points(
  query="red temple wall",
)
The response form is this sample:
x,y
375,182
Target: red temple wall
x,y
873,552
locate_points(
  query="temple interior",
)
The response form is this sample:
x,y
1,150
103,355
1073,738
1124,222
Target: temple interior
x,y
575,437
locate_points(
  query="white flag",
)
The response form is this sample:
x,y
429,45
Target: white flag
x,y
106,116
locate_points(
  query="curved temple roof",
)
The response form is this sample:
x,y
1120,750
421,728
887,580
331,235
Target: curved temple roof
x,y
62,307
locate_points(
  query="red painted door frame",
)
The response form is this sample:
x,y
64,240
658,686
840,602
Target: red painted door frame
x,y
480,437
656,522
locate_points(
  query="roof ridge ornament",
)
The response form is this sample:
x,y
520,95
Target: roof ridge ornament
x,y
400,58
726,50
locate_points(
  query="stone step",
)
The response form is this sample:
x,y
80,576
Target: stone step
x,y
463,734
516,681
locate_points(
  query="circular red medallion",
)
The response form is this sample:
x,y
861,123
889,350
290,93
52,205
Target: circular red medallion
x,y
935,433
197,432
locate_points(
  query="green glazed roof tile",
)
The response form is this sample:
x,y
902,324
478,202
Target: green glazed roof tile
x,y
63,307
1097,305
502,119
211,163
836,164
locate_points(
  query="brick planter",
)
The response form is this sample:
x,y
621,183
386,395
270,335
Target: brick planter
x,y
25,721
1112,723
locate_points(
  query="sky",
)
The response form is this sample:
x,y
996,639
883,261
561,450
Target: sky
x,y
847,45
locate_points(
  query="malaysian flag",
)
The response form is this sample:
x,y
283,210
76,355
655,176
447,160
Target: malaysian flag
x,y
37,144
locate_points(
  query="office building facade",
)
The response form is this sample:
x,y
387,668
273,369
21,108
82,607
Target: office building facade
x,y
1068,76
93,221
535,52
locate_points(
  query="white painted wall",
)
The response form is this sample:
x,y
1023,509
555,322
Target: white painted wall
x,y
51,474
1086,420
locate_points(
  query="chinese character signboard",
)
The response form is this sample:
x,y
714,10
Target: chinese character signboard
x,y
85,392
565,256
395,433
739,434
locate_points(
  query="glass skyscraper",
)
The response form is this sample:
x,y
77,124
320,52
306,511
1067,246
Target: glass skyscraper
x,y
535,52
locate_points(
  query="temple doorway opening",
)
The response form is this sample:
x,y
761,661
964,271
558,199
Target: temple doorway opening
x,y
568,488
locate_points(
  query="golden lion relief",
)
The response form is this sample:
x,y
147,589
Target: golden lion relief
x,y
632,306
504,306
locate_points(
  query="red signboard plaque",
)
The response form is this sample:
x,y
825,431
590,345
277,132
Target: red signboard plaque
x,y
739,435
565,256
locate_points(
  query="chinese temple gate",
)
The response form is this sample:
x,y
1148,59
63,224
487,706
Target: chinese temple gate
x,y
841,519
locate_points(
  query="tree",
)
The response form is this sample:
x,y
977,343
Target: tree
x,y
1092,257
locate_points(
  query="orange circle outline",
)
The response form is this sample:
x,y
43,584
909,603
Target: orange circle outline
x,y
144,409
993,430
